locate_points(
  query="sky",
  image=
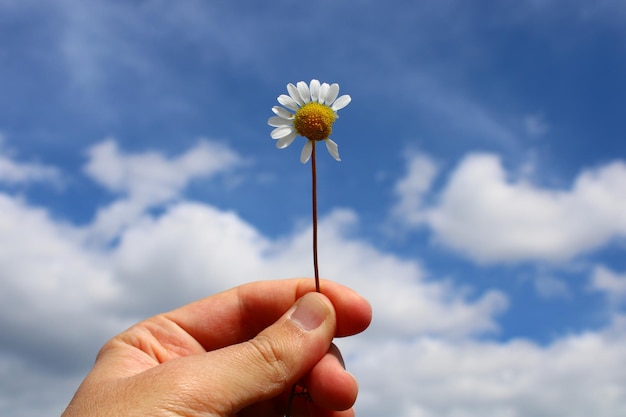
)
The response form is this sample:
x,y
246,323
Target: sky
x,y
480,204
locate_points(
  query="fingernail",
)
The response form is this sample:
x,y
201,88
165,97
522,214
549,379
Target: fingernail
x,y
310,312
334,350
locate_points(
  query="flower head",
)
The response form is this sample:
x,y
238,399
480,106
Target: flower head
x,y
315,106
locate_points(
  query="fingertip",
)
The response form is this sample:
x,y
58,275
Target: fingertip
x,y
330,385
354,313
311,311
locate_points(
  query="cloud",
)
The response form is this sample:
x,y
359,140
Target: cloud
x,y
13,172
150,176
30,392
199,249
434,347
190,249
549,286
76,298
118,39
609,282
149,179
408,301
49,281
489,218
577,375
427,353
64,295
421,171
420,358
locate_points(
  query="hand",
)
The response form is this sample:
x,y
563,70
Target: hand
x,y
238,352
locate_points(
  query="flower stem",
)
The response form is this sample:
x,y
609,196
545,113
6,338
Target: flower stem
x,y
293,393
290,401
314,208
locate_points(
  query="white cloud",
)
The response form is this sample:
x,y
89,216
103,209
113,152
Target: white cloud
x,y
199,249
191,249
28,391
76,298
576,376
424,355
148,179
150,176
52,316
611,283
421,171
406,299
63,296
18,173
13,172
549,286
489,218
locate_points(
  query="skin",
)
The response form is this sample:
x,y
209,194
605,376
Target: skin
x,y
236,353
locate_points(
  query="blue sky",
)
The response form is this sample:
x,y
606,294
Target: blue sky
x,y
480,203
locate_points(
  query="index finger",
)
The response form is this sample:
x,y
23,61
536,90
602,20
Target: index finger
x,y
239,314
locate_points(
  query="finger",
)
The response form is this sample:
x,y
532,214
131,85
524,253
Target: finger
x,y
329,385
241,313
267,365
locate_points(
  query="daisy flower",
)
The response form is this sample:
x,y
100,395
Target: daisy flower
x,y
315,106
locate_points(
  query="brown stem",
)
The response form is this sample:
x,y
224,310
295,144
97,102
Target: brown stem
x,y
314,206
290,401
315,263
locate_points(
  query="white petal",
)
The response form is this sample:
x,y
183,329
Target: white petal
x,y
333,148
323,93
286,141
333,92
278,121
305,155
282,112
281,132
315,90
303,89
288,102
293,92
341,102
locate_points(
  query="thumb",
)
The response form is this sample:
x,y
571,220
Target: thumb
x,y
267,365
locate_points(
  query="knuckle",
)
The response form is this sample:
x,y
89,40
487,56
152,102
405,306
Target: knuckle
x,y
271,359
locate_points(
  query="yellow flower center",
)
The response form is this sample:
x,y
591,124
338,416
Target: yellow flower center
x,y
314,121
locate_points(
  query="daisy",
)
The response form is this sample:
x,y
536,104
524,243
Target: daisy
x,y
315,106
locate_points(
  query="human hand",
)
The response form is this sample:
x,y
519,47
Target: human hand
x,y
236,353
